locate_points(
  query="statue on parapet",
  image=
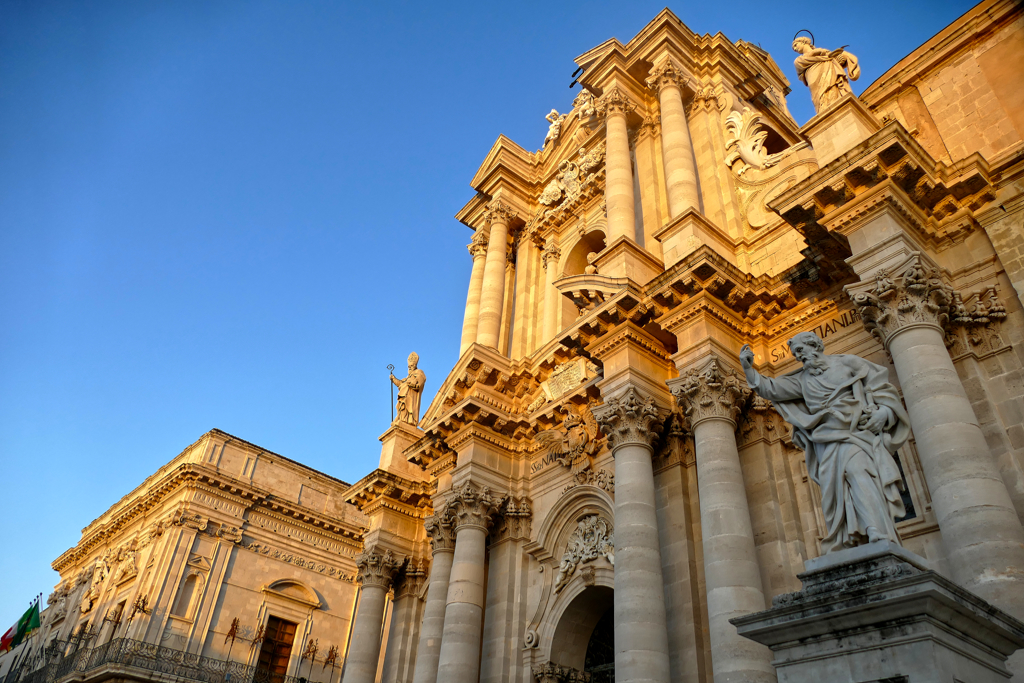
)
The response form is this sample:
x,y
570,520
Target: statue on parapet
x,y
410,390
827,73
849,420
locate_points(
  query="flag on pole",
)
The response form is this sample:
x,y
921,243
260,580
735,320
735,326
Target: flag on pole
x,y
16,634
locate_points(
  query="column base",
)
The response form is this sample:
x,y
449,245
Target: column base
x,y
876,613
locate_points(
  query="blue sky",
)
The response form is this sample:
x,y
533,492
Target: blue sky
x,y
236,214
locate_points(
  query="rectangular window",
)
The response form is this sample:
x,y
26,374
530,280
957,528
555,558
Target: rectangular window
x,y
275,651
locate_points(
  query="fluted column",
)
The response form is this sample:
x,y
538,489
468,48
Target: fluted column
x,y
441,527
614,107
492,296
478,250
711,400
552,301
676,146
459,659
376,572
907,308
632,424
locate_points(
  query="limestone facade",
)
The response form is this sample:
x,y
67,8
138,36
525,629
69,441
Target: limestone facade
x,y
891,223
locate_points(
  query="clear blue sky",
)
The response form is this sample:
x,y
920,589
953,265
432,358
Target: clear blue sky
x,y
236,214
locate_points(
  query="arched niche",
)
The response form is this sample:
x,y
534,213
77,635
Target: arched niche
x,y
575,262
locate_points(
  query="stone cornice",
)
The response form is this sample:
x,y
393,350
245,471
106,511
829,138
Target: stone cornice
x,y
382,489
199,475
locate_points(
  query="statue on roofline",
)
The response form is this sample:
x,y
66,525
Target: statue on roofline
x,y
849,420
410,390
826,73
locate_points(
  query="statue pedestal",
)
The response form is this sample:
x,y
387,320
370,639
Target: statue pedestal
x,y
876,613
841,127
394,442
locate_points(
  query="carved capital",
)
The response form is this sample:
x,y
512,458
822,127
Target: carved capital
x,y
478,247
668,74
760,422
499,212
441,529
712,392
513,521
911,295
550,253
472,506
630,419
377,568
614,102
412,579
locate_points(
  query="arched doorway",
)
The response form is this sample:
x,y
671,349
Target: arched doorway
x,y
584,638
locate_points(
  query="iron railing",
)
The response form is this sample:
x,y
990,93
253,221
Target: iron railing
x,y
135,654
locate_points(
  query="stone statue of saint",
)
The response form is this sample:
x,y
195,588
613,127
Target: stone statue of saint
x,y
827,74
849,420
409,391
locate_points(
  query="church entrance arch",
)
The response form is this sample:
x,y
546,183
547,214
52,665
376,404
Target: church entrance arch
x,y
584,632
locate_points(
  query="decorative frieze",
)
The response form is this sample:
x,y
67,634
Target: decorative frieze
x,y
630,419
709,393
592,538
907,296
378,568
555,673
297,560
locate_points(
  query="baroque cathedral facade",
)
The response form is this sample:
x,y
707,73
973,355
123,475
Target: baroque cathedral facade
x,y
593,493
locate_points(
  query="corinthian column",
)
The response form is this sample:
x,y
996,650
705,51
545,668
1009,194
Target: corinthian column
x,y
906,308
632,423
677,149
552,302
711,400
492,296
441,528
614,107
477,249
376,572
473,510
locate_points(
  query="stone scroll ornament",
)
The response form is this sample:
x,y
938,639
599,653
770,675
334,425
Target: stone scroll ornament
x,y
410,390
592,539
849,420
577,445
826,72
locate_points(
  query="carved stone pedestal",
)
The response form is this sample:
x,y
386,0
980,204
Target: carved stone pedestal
x,y
875,613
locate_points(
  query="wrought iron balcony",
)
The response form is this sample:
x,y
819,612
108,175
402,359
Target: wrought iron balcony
x,y
129,657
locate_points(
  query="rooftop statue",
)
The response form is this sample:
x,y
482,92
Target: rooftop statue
x,y
826,73
849,420
409,391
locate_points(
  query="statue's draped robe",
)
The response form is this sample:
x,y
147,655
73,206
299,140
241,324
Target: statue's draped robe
x,y
409,391
859,480
825,75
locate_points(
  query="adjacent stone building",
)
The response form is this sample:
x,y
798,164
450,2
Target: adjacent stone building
x,y
593,493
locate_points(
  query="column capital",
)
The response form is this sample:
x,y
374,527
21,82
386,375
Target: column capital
x,y
667,74
614,101
441,529
550,253
473,506
912,294
411,580
377,568
513,520
499,212
478,247
711,392
630,419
